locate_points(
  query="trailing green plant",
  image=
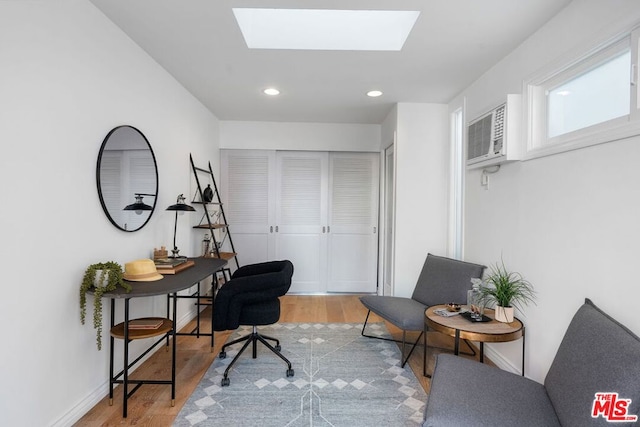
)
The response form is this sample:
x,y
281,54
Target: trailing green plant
x,y
110,278
506,288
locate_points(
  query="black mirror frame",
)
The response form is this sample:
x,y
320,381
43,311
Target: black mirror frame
x,y
100,196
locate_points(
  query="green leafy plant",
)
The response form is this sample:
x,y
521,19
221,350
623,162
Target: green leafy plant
x,y
506,289
109,279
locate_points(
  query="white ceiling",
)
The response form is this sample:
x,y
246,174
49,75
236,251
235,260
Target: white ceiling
x,y
452,44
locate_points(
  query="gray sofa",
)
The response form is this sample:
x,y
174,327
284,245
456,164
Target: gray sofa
x,y
596,355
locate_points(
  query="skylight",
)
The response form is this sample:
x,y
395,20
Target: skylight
x,y
320,29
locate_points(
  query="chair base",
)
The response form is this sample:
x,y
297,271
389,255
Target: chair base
x,y
404,342
254,337
404,336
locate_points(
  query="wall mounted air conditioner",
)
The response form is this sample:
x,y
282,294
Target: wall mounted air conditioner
x,y
494,137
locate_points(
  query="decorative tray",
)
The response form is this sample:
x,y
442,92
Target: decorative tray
x,y
467,315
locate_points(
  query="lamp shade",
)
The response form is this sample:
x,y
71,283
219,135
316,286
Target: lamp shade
x,y
181,205
139,205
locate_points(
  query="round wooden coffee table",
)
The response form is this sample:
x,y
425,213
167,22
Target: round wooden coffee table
x,y
459,327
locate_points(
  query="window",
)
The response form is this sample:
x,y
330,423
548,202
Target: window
x,y
599,95
588,101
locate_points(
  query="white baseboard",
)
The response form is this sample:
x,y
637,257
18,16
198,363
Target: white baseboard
x,y
497,358
78,411
500,361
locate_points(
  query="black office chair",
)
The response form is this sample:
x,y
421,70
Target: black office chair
x,y
251,298
441,281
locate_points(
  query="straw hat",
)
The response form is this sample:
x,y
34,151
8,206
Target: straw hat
x,y
141,270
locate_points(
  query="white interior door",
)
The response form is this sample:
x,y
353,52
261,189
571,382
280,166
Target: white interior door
x,y
301,217
353,222
389,210
247,191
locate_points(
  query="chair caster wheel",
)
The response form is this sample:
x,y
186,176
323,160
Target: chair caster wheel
x,y
278,348
223,355
290,373
225,382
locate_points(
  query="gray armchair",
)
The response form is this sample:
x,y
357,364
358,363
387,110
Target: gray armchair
x,y
598,359
442,280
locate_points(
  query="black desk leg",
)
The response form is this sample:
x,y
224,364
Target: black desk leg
x,y
198,297
168,313
481,352
173,354
111,351
125,384
213,296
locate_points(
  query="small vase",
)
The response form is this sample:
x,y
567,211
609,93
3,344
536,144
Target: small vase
x,y
207,194
99,281
504,314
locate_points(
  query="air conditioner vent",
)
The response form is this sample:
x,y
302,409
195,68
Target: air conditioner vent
x,y
489,134
498,130
479,138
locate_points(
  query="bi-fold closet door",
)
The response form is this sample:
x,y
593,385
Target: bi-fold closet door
x,y
318,209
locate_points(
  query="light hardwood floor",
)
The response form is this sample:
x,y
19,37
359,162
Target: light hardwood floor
x,y
151,404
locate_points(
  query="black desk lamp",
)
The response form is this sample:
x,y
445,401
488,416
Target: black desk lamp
x,y
139,205
180,206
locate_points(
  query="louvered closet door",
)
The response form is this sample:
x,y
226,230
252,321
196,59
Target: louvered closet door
x,y
353,222
247,193
301,217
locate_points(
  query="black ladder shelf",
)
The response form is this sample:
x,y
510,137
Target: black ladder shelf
x,y
217,221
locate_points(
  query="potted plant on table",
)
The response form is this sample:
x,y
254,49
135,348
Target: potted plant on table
x,y
506,290
100,277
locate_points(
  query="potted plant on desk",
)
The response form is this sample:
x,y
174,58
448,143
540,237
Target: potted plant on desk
x,y
506,290
101,277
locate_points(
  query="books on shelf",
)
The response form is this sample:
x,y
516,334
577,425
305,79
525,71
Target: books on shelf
x,y
145,323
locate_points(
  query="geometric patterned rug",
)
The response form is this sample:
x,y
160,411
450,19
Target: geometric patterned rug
x,y
341,379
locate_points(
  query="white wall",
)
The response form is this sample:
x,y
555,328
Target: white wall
x,y
68,76
389,128
568,222
299,136
421,156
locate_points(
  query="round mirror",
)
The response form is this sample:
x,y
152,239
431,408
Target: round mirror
x,y
127,177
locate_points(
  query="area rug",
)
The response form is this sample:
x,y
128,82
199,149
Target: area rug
x,y
341,379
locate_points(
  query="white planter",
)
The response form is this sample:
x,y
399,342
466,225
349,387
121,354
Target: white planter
x,y
504,314
99,281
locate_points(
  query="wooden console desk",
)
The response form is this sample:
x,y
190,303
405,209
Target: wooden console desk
x,y
169,285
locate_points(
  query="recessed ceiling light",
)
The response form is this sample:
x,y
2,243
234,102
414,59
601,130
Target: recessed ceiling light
x,y
271,91
374,93
323,29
